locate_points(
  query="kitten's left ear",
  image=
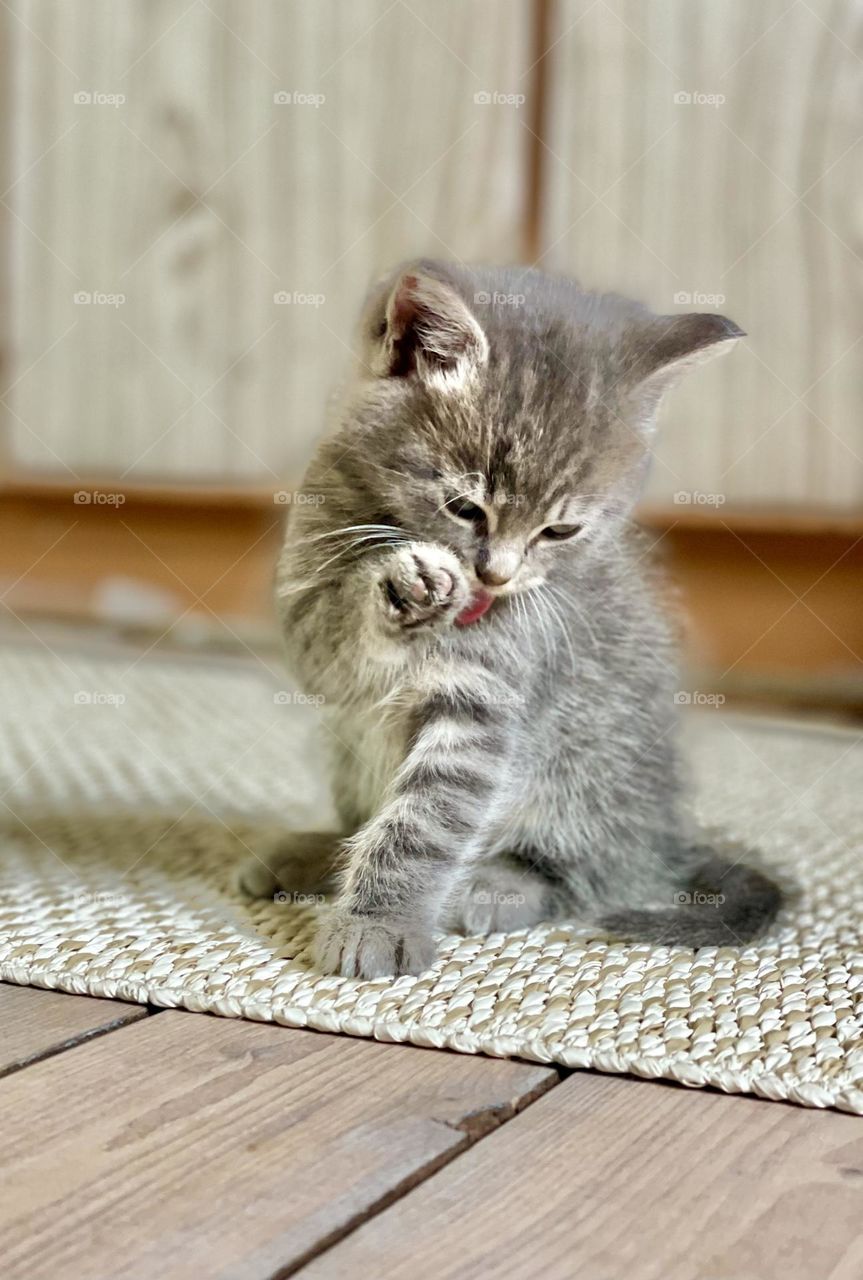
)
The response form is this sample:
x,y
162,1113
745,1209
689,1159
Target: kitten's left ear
x,y
676,344
427,330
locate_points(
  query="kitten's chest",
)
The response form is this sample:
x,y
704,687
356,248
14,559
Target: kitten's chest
x,y
374,748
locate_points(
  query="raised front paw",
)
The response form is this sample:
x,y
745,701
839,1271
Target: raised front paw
x,y
358,946
423,585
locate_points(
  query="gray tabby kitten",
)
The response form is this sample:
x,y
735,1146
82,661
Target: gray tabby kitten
x,y
469,598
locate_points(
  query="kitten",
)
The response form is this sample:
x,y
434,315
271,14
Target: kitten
x,y
463,588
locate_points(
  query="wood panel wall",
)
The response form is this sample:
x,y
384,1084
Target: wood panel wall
x,y
200,163
708,157
201,195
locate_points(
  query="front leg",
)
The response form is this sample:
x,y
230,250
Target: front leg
x,y
406,862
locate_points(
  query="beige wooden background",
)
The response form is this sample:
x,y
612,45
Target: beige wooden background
x,y
715,150
186,165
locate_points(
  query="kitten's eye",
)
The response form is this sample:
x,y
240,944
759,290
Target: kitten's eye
x,y
560,532
465,510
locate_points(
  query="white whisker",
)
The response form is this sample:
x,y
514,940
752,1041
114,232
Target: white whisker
x,y
453,497
529,598
568,601
561,621
356,528
376,539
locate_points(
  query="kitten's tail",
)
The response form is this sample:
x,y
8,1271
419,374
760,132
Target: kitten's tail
x,y
726,904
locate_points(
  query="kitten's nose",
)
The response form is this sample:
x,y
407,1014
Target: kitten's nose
x,y
491,579
494,568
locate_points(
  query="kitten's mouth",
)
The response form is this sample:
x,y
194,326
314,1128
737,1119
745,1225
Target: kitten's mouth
x,y
478,605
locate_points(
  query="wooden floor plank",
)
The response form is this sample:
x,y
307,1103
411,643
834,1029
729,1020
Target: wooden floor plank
x,y
193,1146
608,1178
38,1023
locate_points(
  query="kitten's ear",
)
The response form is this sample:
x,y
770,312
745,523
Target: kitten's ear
x,y
426,329
676,344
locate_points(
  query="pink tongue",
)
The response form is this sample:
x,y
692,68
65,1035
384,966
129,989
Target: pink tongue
x,y
479,604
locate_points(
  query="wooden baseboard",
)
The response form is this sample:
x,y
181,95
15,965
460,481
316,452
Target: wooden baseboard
x,y
208,552
769,599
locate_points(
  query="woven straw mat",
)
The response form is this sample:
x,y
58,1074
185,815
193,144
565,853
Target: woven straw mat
x,y
131,793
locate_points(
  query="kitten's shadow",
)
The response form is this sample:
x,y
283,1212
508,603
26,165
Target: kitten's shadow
x,y
172,873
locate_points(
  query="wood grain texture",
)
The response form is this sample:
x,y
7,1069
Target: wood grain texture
x,y
609,1178
259,150
707,158
39,1023
193,1146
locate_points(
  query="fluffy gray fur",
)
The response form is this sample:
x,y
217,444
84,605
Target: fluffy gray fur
x,y
525,767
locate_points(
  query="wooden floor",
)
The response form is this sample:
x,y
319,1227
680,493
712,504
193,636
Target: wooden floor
x,y
162,1144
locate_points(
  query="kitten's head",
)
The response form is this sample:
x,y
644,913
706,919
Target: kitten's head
x,y
509,414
